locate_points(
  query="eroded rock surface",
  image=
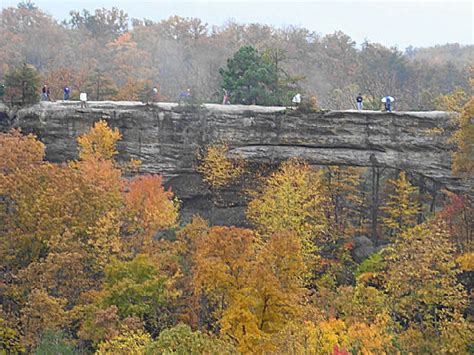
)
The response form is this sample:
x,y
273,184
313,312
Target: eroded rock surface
x,y
166,137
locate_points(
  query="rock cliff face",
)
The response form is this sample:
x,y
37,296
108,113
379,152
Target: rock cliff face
x,y
166,138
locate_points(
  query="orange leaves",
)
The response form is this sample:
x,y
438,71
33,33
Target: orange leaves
x,y
133,90
60,224
222,260
58,78
18,152
149,205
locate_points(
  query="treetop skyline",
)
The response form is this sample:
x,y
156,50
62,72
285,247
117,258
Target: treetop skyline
x,y
391,23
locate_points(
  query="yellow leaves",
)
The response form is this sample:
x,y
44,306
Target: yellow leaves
x,y
463,159
401,209
99,142
127,343
291,200
466,261
369,339
222,260
329,334
9,338
103,238
42,312
453,101
421,276
217,169
360,338
63,222
256,291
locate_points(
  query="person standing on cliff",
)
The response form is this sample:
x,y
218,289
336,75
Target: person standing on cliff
x,y
226,100
359,100
387,100
66,91
44,93
83,98
185,97
296,100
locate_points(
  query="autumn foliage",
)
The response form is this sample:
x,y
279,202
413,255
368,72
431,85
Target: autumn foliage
x,y
93,262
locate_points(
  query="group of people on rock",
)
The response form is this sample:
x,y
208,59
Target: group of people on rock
x,y
387,101
186,96
46,93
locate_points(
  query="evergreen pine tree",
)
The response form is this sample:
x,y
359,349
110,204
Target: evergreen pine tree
x,y
22,85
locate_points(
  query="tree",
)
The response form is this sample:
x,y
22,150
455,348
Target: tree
x,y
453,101
401,209
103,25
342,188
252,79
135,287
252,291
22,85
426,298
291,199
100,85
54,343
182,340
42,313
9,338
463,159
458,214
221,262
270,297
217,169
127,342
99,142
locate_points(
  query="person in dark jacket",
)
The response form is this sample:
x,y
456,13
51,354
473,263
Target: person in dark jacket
x,y
359,100
66,91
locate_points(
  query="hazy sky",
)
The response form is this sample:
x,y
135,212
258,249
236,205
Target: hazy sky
x,y
392,23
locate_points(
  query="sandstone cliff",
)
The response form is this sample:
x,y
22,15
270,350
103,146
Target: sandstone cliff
x,y
166,137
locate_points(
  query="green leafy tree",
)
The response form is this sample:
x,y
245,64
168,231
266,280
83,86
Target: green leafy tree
x,y
135,287
252,78
22,85
54,343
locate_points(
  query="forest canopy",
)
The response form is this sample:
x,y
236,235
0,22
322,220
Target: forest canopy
x,y
111,56
97,258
